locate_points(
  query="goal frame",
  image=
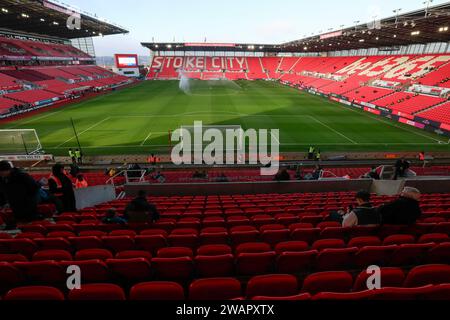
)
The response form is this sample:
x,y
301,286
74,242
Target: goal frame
x,y
28,150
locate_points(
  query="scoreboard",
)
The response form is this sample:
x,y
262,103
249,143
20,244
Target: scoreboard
x,y
127,65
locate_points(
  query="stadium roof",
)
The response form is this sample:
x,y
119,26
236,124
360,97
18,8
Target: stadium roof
x,y
49,18
417,27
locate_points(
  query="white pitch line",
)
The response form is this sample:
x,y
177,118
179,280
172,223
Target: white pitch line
x,y
146,138
334,130
279,143
84,131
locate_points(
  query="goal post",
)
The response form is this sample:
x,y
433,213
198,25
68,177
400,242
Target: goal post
x,y
19,141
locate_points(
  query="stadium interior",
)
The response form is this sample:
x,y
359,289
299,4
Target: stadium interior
x,y
226,232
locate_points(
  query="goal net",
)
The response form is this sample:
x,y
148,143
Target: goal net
x,y
19,141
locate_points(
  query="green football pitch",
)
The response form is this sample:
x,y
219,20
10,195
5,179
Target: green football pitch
x,y
137,120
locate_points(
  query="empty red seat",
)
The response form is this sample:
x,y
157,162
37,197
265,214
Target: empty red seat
x,y
93,254
307,235
296,262
117,243
183,240
92,271
399,239
157,291
25,247
376,255
12,257
173,268
175,252
274,237
56,255
428,274
297,297
255,263
98,292
336,259
37,293
28,235
53,244
153,232
214,250
271,227
333,281
346,296
129,233
238,237
390,277
215,289
82,243
150,243
439,254
61,234
10,276
361,242
291,246
272,285
214,238
328,224
328,244
253,247
434,237
130,254
410,254
43,272
215,266
130,270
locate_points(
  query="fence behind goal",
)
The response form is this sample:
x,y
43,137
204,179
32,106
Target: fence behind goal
x,y
19,141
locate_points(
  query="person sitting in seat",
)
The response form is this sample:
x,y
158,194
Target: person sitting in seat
x,y
283,175
140,211
111,217
363,215
81,182
403,211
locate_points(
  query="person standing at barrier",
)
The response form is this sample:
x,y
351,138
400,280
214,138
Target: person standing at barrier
x,y
79,156
61,187
72,156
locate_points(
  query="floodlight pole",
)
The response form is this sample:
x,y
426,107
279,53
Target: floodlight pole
x,y
76,135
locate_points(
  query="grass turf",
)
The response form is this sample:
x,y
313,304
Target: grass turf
x,y
137,120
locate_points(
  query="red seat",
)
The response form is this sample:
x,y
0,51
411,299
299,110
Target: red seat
x,y
253,247
428,274
439,292
173,268
82,243
307,235
130,254
271,227
150,243
215,266
92,233
129,233
272,285
297,297
183,240
361,242
409,254
98,292
434,237
61,234
274,237
175,252
334,233
336,259
93,254
390,277
214,250
153,232
255,263
214,238
118,243
215,289
184,231
347,296
34,294
333,281
10,276
12,257
53,244
25,247
295,226
92,271
296,262
328,224
27,235
377,255
399,239
130,270
439,254
328,244
43,272
157,291
291,246
238,237
55,255
398,294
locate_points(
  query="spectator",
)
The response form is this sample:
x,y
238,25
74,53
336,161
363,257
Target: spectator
x,y
79,156
21,192
81,183
311,152
373,174
423,159
364,214
111,217
158,176
299,173
401,167
318,155
74,170
222,178
283,175
61,187
403,211
140,211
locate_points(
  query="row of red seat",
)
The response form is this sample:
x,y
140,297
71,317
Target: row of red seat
x,y
420,283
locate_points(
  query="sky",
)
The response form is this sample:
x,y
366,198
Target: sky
x,y
230,21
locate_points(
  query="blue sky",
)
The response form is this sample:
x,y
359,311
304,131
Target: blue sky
x,y
246,21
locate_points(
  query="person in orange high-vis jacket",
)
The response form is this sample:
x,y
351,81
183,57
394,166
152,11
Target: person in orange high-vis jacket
x,y
81,183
